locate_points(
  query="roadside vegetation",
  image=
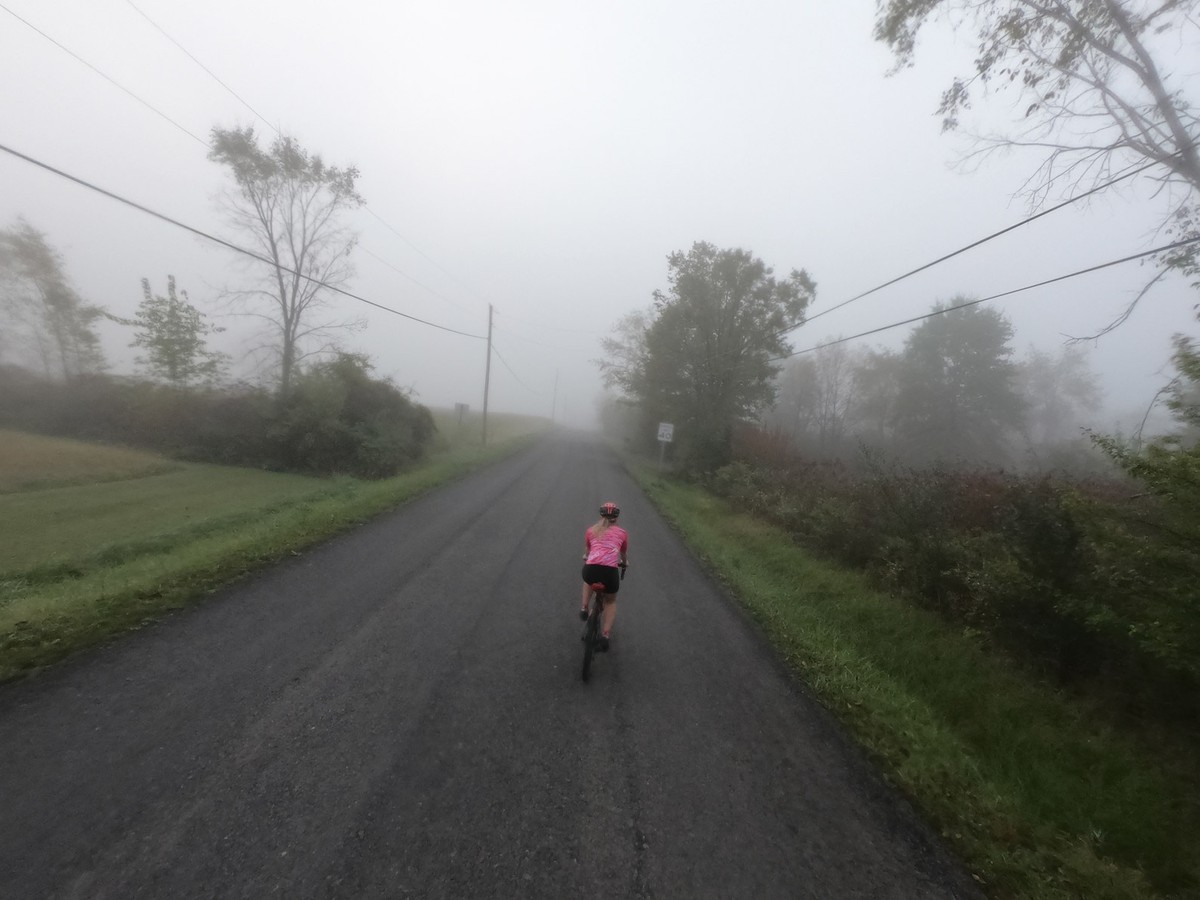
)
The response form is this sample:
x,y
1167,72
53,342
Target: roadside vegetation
x,y
1043,790
338,419
1091,583
99,540
125,495
1018,648
999,602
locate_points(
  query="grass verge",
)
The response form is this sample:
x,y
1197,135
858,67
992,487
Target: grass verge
x,y
1040,799
134,550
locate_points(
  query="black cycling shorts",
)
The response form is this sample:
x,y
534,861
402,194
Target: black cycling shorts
x,y
609,576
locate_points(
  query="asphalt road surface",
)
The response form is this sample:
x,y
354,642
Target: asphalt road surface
x,y
399,713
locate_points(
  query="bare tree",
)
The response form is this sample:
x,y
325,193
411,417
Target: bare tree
x,y
795,407
837,393
817,397
1059,392
289,204
1087,72
1100,85
877,388
625,352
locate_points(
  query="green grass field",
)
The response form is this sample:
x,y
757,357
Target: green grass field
x,y
1039,796
95,540
70,526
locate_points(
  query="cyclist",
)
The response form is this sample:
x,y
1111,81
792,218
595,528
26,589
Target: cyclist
x,y
605,546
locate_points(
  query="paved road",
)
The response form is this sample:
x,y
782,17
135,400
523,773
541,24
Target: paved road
x,y
399,713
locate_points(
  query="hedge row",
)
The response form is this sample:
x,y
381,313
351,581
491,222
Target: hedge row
x,y
1093,582
337,419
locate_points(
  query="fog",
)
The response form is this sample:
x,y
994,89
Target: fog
x,y
544,159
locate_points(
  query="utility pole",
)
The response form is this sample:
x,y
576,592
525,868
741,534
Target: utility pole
x,y
487,375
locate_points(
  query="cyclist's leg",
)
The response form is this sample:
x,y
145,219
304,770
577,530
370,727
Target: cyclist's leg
x,y
587,596
610,614
588,579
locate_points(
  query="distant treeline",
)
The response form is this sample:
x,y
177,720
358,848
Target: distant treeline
x,y
336,419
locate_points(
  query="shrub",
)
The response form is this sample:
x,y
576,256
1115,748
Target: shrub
x,y
337,420
1085,580
340,420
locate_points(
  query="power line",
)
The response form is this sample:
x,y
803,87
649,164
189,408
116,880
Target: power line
x,y
514,374
948,256
149,106
202,66
112,81
981,241
404,274
425,255
1108,184
1028,287
1127,174
519,337
201,141
263,119
224,243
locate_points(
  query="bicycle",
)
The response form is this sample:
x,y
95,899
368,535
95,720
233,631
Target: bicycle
x,y
591,629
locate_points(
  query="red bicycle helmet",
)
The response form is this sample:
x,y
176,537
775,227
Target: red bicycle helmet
x,y
610,510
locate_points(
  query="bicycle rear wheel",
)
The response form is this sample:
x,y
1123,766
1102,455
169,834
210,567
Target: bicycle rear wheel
x,y
591,637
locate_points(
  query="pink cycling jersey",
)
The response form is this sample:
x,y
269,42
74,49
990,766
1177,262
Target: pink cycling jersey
x,y
606,549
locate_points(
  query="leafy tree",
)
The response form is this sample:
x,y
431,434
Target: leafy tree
x,y
1095,83
44,320
172,332
956,397
705,357
290,204
1158,560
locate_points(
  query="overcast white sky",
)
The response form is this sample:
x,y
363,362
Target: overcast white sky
x,y
546,157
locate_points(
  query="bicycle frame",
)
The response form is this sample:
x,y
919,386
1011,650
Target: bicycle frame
x,y
591,630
